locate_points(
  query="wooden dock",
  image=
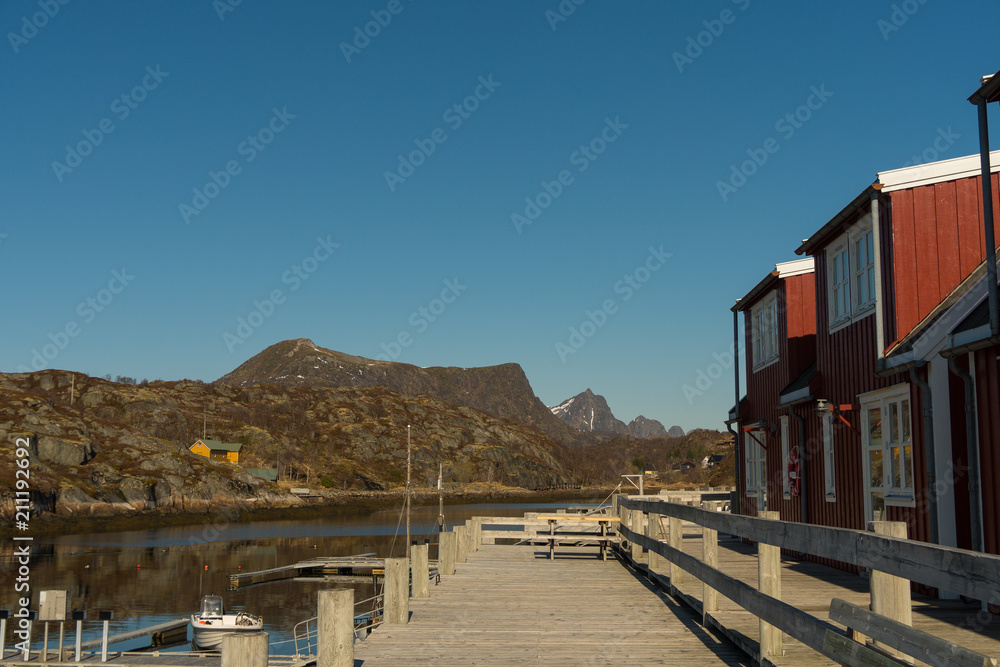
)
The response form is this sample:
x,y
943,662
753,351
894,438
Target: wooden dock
x,y
155,659
511,605
340,569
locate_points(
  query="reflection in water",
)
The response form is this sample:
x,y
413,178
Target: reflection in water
x,y
152,576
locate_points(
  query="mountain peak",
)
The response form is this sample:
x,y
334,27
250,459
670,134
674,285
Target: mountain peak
x,y
502,391
589,412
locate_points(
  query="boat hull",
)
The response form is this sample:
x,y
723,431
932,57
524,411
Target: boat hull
x,y
208,634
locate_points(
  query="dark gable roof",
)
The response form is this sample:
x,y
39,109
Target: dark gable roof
x,y
759,290
848,214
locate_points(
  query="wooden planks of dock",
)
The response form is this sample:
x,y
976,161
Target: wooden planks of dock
x,y
511,605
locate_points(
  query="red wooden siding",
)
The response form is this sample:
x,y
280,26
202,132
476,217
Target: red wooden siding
x,y
796,298
988,399
938,228
960,457
846,363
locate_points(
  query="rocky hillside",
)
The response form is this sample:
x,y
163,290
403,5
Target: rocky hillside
x,y
501,391
589,412
640,427
97,447
604,464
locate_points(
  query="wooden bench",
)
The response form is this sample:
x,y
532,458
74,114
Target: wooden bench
x,y
577,536
905,639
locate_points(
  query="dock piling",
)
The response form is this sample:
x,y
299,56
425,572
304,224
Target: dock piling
x,y
335,628
460,543
397,589
446,553
421,572
245,650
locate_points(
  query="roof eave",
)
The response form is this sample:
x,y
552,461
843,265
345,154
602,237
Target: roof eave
x,y
762,287
988,92
815,240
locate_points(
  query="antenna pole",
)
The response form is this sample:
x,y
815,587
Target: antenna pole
x,y
440,499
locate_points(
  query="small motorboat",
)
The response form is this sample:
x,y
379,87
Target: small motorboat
x,y
212,623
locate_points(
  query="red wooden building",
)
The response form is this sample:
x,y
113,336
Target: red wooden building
x,y
869,420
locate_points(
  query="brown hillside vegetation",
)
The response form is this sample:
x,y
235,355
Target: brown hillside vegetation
x,y
605,463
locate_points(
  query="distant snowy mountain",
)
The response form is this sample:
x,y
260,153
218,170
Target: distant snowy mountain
x,y
589,412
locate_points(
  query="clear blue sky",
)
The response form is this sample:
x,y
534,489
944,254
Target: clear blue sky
x,y
153,98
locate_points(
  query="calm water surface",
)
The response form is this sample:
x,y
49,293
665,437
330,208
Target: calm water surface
x,y
152,576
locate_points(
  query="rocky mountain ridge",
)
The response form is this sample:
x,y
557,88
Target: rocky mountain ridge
x,y
501,391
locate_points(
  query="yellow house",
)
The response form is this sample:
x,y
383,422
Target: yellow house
x,y
217,450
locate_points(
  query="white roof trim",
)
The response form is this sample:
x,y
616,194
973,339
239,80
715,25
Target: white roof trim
x,y
796,267
925,347
936,172
968,337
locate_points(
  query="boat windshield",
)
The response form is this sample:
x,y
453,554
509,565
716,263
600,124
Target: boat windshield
x,y
211,605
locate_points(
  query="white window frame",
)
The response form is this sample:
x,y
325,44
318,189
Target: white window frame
x,y
786,491
829,459
764,331
755,459
864,274
839,290
894,435
847,290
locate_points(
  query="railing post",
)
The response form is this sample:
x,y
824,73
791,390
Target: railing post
x,y
890,594
675,536
397,591
421,571
244,650
710,556
477,522
638,519
769,583
446,553
653,533
335,628
460,544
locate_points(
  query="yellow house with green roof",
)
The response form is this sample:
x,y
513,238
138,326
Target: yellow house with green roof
x,y
217,450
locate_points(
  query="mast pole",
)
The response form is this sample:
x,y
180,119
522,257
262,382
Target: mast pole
x,y
407,488
440,498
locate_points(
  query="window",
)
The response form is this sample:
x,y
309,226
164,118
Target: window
x,y
888,443
764,331
840,284
829,474
863,245
786,490
851,274
754,443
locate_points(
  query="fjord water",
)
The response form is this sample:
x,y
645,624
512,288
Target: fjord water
x,y
151,576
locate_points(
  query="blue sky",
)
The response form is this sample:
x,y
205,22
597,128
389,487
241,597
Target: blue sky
x,y
170,167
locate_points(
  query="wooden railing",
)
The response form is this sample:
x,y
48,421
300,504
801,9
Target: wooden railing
x,y
893,562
